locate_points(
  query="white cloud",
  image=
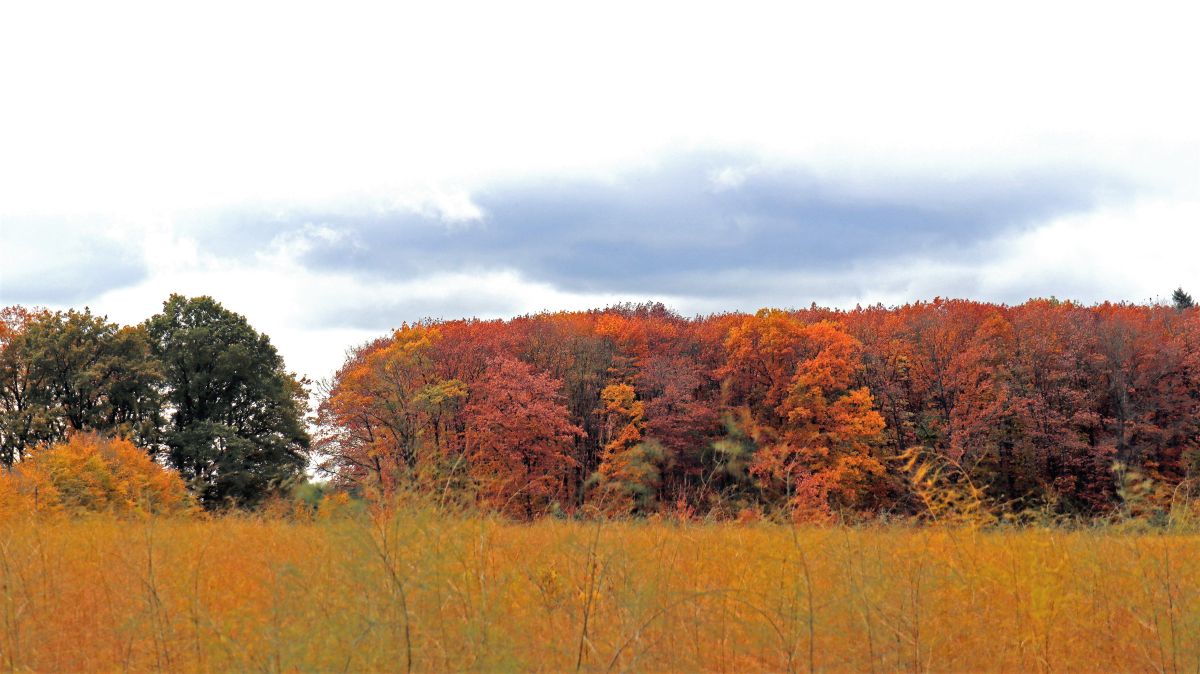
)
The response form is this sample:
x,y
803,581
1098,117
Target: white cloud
x,y
141,106
1137,253
730,177
452,206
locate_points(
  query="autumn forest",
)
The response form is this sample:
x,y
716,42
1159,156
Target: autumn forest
x,y
1048,407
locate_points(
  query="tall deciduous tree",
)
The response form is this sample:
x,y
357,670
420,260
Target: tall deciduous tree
x,y
391,417
816,428
519,438
236,429
630,470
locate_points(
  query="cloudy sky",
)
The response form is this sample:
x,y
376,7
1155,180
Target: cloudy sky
x,y
332,171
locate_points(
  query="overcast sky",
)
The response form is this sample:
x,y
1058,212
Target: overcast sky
x,y
333,171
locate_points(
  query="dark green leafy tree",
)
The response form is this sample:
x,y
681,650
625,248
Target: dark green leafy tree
x,y
1182,300
64,371
236,430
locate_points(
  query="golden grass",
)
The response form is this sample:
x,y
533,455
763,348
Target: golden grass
x,y
433,593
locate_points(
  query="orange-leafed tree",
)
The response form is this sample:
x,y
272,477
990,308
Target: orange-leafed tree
x,y
518,439
390,417
92,473
816,430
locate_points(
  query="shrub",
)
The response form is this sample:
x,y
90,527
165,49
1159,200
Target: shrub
x,y
92,473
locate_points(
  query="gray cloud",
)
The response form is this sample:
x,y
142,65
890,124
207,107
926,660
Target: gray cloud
x,y
723,229
384,313
678,228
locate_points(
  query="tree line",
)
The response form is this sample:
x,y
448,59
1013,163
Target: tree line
x,y
1045,407
1049,406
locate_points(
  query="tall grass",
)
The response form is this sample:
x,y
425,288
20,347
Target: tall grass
x,y
425,592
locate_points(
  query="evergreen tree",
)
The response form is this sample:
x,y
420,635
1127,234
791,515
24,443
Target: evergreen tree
x,y
1182,300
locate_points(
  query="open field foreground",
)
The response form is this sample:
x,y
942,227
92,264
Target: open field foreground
x,y
422,593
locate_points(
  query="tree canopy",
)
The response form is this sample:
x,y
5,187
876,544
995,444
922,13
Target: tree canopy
x,y
1047,406
236,430
64,371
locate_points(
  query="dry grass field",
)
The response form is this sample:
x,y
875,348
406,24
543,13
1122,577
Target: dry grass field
x,y
421,592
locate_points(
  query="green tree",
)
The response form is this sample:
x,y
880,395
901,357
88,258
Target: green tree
x,y
63,371
1182,300
236,430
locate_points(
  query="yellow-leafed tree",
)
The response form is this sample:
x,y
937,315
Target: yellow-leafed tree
x,y
630,470
92,473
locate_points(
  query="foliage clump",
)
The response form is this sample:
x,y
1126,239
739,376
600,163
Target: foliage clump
x,y
89,473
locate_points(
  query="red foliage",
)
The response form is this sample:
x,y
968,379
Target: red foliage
x,y
518,439
1035,402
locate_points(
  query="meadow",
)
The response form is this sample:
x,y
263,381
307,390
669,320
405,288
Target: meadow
x,y
423,591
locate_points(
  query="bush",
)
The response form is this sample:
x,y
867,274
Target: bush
x,y
92,473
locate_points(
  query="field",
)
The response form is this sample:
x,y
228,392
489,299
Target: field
x,y
422,592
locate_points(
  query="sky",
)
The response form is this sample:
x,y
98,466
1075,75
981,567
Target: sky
x,y
334,170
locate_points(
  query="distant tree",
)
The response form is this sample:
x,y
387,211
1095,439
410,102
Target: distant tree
x,y
62,371
815,427
236,429
802,409
519,437
1182,300
630,471
390,418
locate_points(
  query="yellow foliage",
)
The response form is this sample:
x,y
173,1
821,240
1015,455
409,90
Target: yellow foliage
x,y
91,473
334,505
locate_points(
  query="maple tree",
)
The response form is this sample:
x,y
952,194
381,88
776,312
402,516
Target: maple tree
x,y
815,429
518,439
389,418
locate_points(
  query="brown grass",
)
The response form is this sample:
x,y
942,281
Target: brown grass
x,y
433,593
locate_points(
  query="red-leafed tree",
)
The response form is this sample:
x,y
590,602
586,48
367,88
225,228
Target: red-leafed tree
x,y
518,439
1035,402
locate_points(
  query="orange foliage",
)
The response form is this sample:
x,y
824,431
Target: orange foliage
x,y
816,429
426,593
91,473
1035,402
390,417
629,475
